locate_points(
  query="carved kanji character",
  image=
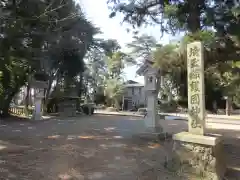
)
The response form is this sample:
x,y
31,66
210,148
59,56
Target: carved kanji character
x,y
194,51
195,99
194,63
194,75
195,110
194,86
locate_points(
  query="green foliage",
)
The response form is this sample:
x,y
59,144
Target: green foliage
x,y
192,17
110,46
103,75
114,91
168,107
115,64
222,74
174,15
167,57
114,88
53,37
142,46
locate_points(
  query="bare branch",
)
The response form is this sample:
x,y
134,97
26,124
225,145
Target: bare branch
x,y
52,10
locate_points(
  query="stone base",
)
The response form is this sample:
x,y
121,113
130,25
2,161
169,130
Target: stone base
x,y
198,157
67,108
154,134
37,117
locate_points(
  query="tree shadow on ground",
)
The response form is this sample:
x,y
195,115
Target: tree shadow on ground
x,y
93,158
96,147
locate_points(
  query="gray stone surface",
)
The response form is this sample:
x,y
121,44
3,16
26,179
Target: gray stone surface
x,y
198,160
198,139
195,154
196,94
67,107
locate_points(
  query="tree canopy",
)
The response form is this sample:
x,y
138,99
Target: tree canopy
x,y
48,36
56,39
214,22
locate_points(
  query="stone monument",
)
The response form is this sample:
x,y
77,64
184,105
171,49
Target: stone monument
x,y
67,105
151,81
195,152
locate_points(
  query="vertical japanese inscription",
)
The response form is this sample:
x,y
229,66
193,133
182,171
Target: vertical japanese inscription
x,y
196,102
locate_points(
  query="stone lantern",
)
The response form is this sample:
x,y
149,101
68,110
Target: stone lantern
x,y
39,81
151,78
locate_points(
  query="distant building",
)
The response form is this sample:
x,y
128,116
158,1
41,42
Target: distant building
x,y
134,95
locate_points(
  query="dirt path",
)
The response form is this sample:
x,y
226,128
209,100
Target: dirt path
x,y
89,148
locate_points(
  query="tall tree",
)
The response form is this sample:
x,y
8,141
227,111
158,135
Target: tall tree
x,y
142,46
28,37
191,17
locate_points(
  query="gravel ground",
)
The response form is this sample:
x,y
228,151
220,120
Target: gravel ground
x,y
83,148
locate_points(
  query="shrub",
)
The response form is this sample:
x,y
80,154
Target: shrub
x,y
168,107
85,108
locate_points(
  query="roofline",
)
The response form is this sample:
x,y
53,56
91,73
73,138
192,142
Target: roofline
x,y
134,85
145,65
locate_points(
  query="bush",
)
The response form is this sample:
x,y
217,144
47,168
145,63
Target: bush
x,y
85,108
168,107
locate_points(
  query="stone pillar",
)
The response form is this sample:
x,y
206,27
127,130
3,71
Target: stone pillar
x,y
151,117
197,154
37,113
196,89
228,106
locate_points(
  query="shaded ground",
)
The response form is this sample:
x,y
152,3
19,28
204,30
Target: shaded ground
x,y
96,147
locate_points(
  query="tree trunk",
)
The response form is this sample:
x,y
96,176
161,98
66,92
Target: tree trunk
x,y
123,104
170,97
193,19
116,104
80,89
26,104
46,99
228,106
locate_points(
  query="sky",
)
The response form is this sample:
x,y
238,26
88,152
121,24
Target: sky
x,y
98,13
